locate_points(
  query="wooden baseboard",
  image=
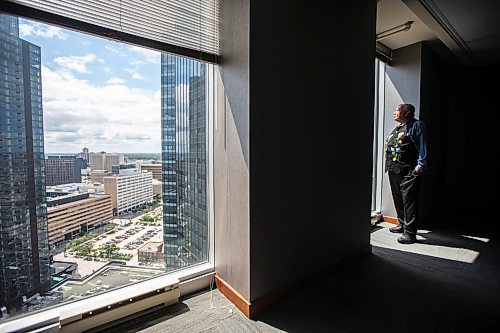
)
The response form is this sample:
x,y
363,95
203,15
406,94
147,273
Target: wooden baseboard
x,y
233,296
251,309
391,219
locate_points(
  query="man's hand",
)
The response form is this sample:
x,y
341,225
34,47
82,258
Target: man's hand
x,y
418,170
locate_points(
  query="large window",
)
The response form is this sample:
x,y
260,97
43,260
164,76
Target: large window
x,y
122,133
378,137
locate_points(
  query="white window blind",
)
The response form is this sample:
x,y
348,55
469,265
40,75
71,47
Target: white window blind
x,y
184,24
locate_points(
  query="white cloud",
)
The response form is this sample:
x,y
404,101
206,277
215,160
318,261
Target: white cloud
x,y
41,30
76,63
137,76
113,117
112,48
107,69
134,72
115,80
102,61
147,55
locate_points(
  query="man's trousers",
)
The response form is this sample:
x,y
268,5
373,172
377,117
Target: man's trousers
x,y
405,189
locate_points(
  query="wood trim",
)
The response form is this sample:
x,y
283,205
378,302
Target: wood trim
x,y
233,296
251,309
390,219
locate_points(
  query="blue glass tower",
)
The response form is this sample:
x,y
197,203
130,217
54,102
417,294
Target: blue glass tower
x,y
184,158
24,247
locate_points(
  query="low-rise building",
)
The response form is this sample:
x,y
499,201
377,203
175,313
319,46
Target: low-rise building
x,y
152,251
70,215
71,188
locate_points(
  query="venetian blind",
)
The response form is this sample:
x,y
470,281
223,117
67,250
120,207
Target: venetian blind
x,y
189,24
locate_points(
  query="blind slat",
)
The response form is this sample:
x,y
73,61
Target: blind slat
x,y
192,24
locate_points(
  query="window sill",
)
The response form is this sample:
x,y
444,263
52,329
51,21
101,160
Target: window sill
x,y
185,281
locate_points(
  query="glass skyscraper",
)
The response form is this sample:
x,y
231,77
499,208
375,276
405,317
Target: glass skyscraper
x,y
24,247
184,158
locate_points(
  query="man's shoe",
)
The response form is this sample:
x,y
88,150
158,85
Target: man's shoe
x,y
407,238
397,230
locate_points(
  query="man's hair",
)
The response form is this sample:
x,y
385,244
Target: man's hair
x,y
409,108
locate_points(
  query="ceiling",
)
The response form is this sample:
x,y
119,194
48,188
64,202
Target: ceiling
x,y
391,13
469,29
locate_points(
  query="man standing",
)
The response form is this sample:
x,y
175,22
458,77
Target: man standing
x,y
405,161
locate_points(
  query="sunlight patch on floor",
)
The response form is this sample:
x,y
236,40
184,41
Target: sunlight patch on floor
x,y
384,238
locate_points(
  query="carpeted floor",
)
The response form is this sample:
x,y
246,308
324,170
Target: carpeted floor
x,y
447,282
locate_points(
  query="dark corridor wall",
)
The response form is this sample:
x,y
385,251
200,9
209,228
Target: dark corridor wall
x,y
460,107
434,105
472,155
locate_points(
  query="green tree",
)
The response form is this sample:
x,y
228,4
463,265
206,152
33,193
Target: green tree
x,y
109,227
110,249
78,241
147,218
81,250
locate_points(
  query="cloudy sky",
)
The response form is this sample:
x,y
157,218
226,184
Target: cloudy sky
x,y
97,93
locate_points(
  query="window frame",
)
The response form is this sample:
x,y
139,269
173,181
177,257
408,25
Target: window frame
x,y
378,135
192,278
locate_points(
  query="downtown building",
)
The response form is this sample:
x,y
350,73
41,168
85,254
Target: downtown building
x,y
75,214
105,161
155,168
184,158
129,191
63,169
24,247
84,155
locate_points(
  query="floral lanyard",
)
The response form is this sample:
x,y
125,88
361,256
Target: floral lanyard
x,y
396,149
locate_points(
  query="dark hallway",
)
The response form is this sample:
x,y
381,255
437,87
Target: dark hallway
x,y
447,282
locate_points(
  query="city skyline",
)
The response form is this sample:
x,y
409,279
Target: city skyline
x,y
96,92
37,85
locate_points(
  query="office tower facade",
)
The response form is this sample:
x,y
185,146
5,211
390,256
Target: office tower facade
x,y
105,161
113,159
62,169
24,251
184,160
84,155
129,191
97,161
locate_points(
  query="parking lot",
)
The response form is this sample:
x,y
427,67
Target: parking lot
x,y
130,238
129,235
